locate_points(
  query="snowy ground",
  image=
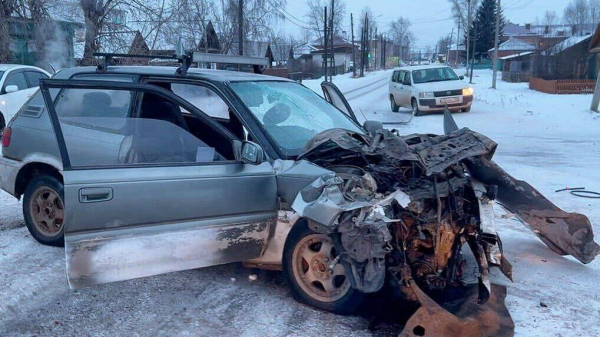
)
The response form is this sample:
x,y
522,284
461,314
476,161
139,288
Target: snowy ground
x,y
549,141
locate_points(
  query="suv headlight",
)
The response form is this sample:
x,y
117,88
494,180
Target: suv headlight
x,y
468,91
426,95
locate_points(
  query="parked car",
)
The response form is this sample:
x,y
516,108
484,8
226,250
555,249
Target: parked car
x,y
17,84
140,171
429,89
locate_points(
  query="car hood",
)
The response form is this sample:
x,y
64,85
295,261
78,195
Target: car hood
x,y
440,86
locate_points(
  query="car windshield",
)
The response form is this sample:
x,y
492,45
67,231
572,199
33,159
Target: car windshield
x,y
434,75
291,113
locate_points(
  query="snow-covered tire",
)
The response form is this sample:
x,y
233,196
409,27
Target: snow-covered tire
x,y
307,256
43,210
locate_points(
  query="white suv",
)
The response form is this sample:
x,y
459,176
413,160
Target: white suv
x,y
17,84
429,89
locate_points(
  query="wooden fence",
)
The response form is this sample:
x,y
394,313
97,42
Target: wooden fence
x,y
562,87
515,76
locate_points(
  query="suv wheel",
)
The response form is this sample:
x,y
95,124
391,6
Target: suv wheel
x,y
44,211
306,266
393,104
415,108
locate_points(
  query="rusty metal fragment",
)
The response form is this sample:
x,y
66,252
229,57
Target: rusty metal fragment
x,y
564,233
469,319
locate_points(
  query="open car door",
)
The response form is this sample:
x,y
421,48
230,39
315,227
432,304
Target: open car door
x,y
334,96
145,196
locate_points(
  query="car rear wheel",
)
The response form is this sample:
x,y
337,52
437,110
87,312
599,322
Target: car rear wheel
x,y
415,108
44,211
314,280
393,104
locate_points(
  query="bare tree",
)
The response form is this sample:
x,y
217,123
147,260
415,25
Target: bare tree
x,y
315,16
7,9
576,14
460,11
550,18
401,35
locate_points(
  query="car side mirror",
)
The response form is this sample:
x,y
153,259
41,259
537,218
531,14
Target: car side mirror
x,y
373,126
249,152
11,88
461,77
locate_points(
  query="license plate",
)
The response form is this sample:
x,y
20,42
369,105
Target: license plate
x,y
449,100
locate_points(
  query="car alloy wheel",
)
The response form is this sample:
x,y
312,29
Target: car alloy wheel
x,y
315,270
47,211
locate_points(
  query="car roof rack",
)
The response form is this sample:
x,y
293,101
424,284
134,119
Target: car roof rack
x,y
185,60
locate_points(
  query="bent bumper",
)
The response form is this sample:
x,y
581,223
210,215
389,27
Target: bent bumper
x,y
437,104
8,174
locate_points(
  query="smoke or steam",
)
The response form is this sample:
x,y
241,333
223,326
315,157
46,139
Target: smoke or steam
x,y
57,49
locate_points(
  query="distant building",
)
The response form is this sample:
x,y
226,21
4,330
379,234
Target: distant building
x,y
59,51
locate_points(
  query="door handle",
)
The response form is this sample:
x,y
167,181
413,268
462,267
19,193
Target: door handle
x,y
95,194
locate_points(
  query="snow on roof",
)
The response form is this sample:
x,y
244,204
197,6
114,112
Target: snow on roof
x,y
508,57
511,29
568,43
516,45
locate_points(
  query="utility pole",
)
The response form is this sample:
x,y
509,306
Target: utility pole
x,y
325,44
457,42
496,38
473,56
240,30
468,29
448,45
331,38
353,47
363,47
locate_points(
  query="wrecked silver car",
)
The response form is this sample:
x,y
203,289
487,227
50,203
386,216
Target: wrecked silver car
x,y
158,171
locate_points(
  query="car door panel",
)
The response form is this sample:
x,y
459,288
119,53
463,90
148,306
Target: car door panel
x,y
133,220
159,221
334,96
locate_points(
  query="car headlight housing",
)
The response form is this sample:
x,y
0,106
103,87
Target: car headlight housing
x,y
426,95
468,91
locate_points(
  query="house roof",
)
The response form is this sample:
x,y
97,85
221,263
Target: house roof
x,y
568,43
509,57
515,44
511,29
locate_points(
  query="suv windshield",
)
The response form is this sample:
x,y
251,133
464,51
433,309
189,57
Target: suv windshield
x,y
434,75
291,113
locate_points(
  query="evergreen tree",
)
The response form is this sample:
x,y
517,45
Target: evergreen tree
x,y
485,20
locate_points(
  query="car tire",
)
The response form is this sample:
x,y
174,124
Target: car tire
x,y
43,210
394,106
415,108
301,243
466,109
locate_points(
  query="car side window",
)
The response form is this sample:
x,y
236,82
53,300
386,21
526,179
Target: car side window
x,y
33,78
204,98
17,79
395,76
99,131
406,78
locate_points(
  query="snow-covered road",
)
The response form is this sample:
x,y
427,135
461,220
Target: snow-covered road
x,y
549,141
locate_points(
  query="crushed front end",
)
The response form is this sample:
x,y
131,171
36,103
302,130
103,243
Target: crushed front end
x,y
401,209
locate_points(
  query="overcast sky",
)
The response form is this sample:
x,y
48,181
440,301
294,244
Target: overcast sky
x,y
431,18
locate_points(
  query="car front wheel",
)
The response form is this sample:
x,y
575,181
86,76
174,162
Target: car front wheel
x,y
313,278
415,108
44,211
